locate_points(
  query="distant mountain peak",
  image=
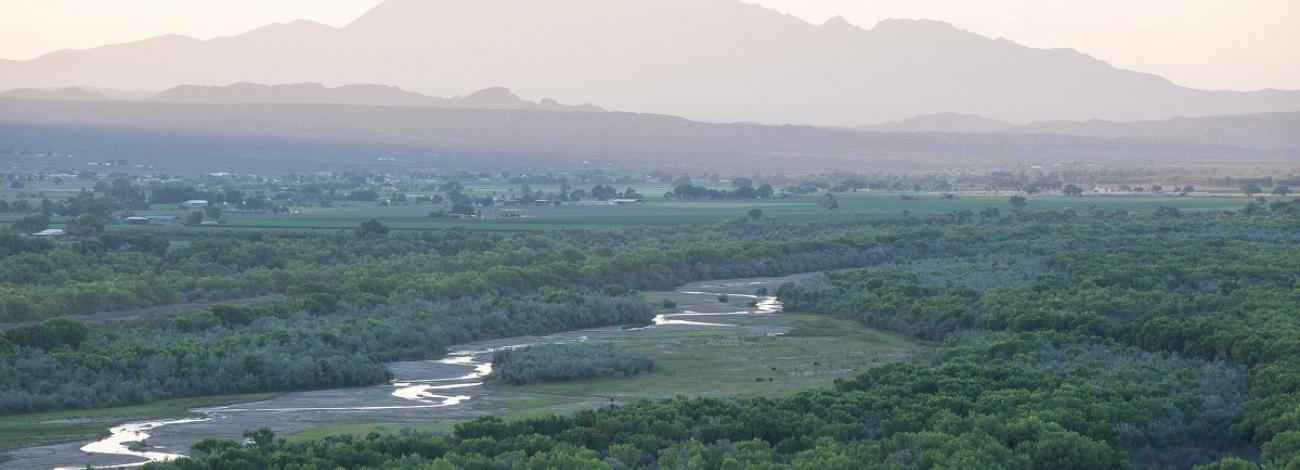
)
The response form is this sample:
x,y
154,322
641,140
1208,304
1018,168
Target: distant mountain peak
x,y
839,21
493,94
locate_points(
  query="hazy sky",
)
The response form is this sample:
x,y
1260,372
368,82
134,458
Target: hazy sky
x,y
1215,44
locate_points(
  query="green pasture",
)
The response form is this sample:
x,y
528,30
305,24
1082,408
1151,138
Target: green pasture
x,y
664,212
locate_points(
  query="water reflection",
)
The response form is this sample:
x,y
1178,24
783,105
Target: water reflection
x,y
122,437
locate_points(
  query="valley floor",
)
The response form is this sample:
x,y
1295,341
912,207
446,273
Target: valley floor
x,y
704,347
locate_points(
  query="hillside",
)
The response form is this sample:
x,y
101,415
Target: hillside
x,y
1267,131
357,94
294,137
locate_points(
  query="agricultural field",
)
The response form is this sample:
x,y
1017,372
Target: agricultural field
x,y
666,212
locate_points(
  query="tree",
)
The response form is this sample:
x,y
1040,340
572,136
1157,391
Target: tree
x,y
755,214
372,228
990,213
1281,191
1072,190
195,218
829,203
32,223
452,187
1252,189
83,226
212,211
50,334
1019,202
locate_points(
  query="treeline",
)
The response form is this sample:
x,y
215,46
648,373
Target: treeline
x,y
565,363
113,272
1018,401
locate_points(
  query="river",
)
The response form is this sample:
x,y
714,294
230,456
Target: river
x,y
442,390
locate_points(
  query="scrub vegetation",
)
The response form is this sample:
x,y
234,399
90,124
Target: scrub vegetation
x,y
1142,341
565,363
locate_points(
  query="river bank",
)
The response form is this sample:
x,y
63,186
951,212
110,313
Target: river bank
x,y
700,336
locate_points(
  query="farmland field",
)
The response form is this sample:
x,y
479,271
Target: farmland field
x,y
666,212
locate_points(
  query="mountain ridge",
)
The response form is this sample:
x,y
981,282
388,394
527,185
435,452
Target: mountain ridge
x,y
293,137
1263,131
715,60
356,94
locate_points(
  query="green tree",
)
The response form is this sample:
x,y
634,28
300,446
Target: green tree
x,y
372,228
829,203
83,226
1283,451
32,223
212,212
755,214
1019,202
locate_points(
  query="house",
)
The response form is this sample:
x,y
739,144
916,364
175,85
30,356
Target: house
x,y
195,203
512,214
51,233
626,202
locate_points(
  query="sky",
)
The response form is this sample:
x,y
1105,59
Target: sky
x,y
1209,44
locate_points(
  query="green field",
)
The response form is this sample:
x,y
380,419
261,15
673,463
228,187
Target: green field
x,y
77,425
663,212
702,362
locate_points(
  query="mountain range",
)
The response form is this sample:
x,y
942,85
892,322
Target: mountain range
x,y
714,60
68,93
295,137
1269,131
360,94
